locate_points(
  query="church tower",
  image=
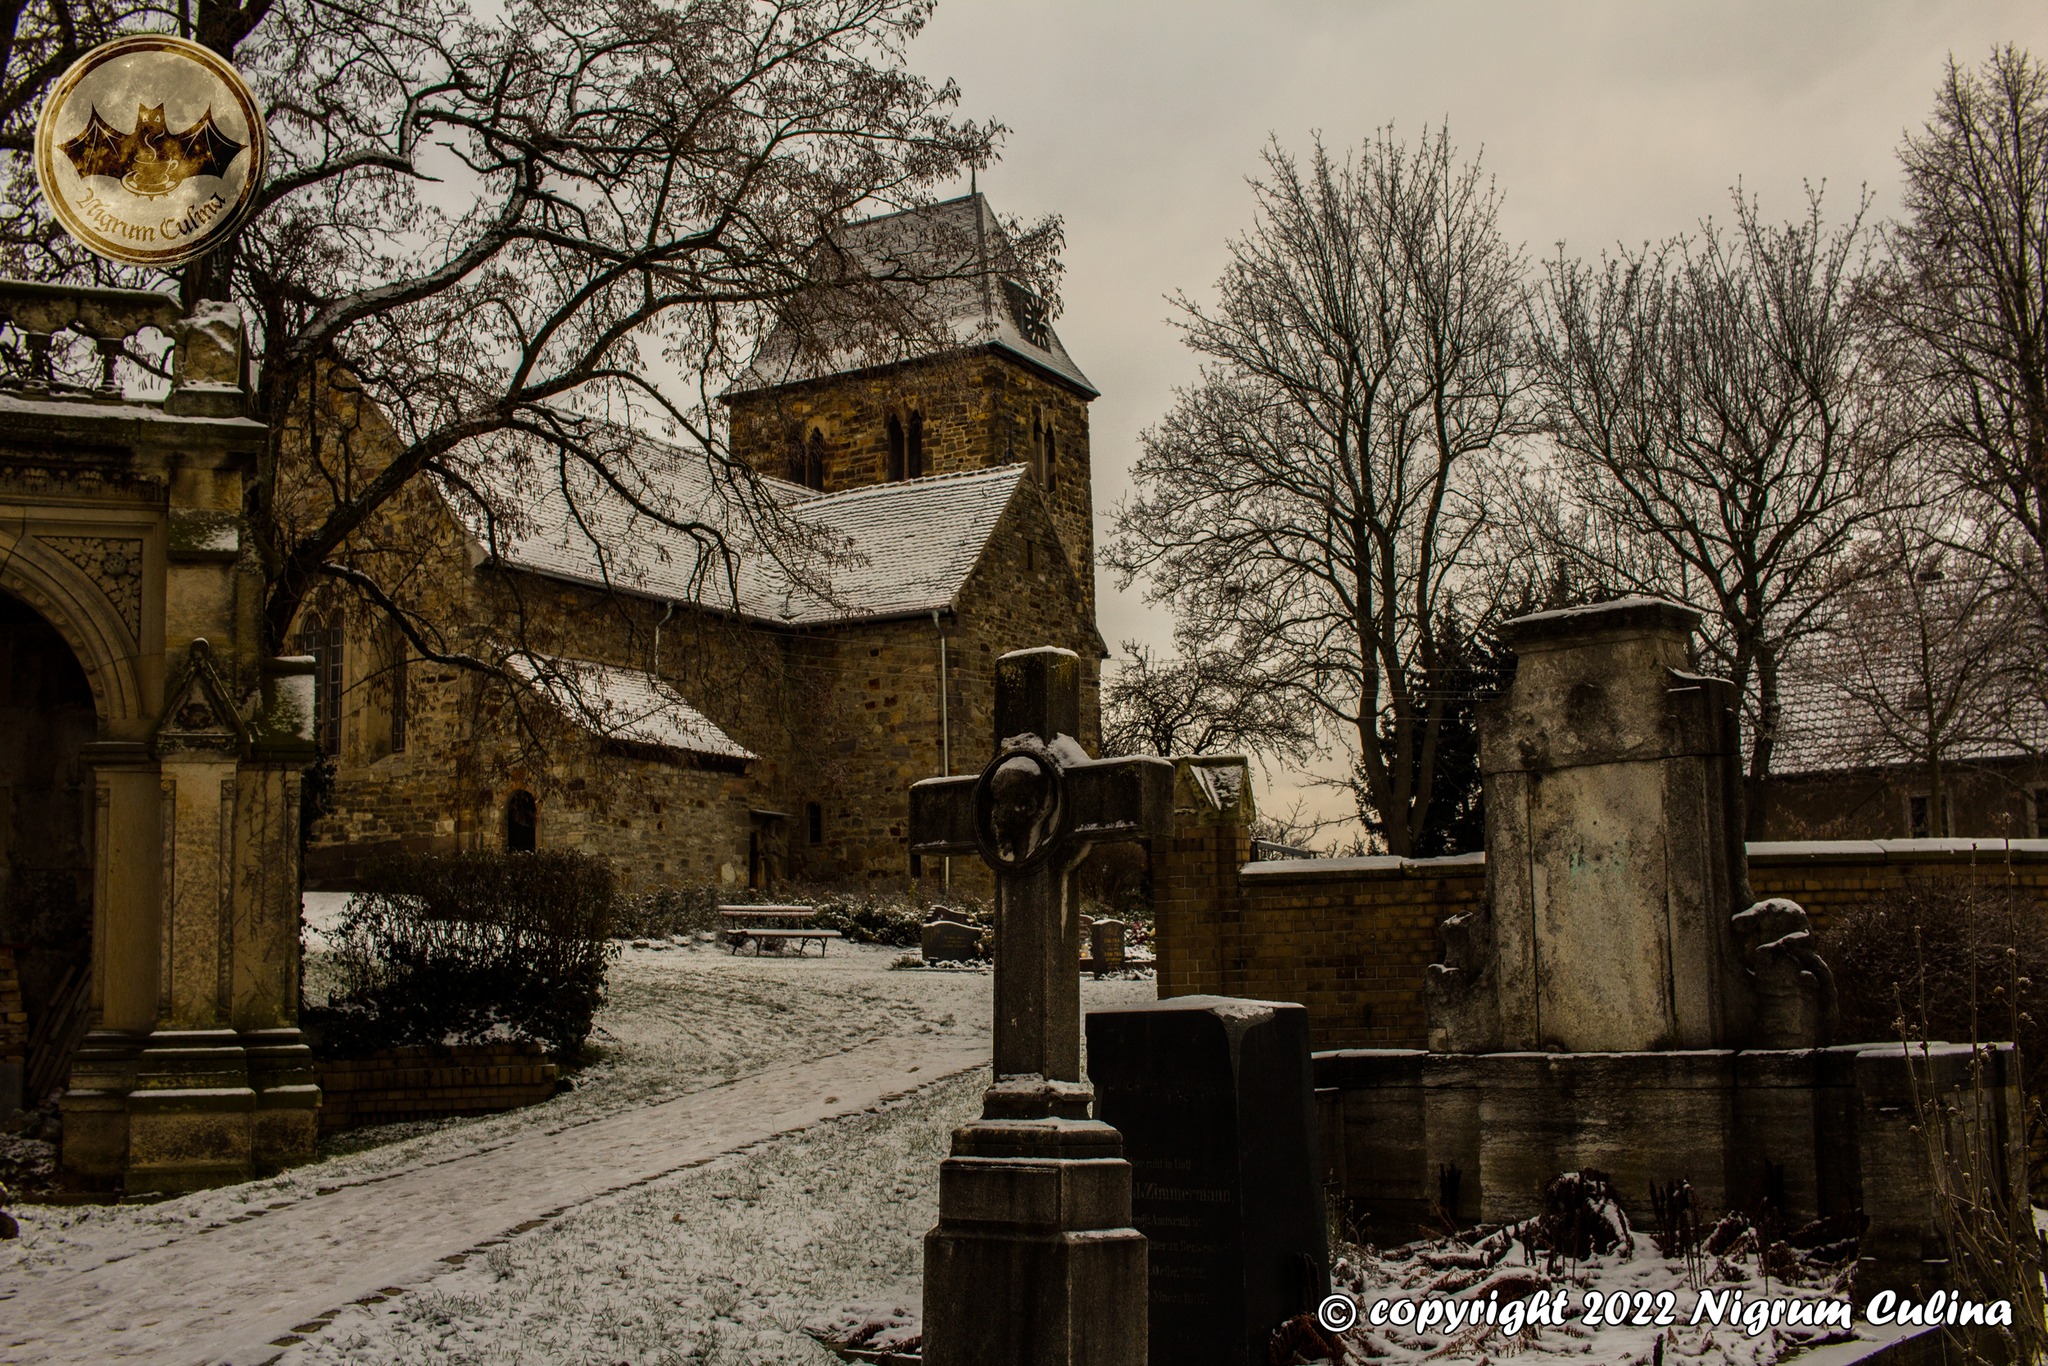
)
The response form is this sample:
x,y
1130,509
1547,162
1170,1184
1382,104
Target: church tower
x,y
982,380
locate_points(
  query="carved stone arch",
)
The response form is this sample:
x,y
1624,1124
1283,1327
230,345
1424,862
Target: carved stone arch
x,y
79,610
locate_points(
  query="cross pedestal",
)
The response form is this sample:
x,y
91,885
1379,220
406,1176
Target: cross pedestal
x,y
1034,1261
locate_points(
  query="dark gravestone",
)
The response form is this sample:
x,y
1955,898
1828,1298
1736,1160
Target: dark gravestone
x,y
949,941
1106,945
1215,1099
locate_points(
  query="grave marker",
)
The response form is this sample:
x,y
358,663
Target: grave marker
x,y
1215,1099
1106,945
949,941
1034,1261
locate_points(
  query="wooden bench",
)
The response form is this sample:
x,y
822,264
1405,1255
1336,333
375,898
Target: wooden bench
x,y
763,924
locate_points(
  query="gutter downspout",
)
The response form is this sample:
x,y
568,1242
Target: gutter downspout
x,y
945,736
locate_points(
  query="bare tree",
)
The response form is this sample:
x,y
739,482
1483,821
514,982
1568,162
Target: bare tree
x,y
1964,295
1203,701
1715,437
1309,500
506,233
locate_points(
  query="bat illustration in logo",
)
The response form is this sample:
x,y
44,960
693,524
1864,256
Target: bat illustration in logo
x,y
151,160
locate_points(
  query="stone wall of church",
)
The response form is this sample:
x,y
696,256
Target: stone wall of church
x,y
873,689
978,412
661,819
844,717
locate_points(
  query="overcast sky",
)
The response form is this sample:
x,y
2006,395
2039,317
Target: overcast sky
x,y
1139,120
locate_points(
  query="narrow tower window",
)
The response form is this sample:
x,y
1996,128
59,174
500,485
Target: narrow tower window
x,y
894,469
914,447
1052,461
394,660
814,461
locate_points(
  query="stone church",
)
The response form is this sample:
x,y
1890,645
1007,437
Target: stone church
x,y
741,723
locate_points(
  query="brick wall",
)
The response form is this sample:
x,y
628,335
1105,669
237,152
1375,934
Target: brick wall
x,y
13,1032
1352,938
1826,875
433,1083
13,1010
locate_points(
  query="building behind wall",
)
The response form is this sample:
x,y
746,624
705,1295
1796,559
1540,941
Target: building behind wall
x,y
745,732
1851,760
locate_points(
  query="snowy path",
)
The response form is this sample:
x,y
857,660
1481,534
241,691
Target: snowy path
x,y
227,1293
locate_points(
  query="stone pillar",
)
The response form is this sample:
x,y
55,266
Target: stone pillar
x,y
1197,902
193,1072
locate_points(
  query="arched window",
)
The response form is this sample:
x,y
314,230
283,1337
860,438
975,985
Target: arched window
x,y
913,442
522,823
893,470
1038,447
320,637
814,461
1052,461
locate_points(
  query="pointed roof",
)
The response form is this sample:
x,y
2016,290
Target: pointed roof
x,y
960,280
885,550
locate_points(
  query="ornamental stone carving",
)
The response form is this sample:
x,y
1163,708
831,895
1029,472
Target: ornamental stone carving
x,y
114,564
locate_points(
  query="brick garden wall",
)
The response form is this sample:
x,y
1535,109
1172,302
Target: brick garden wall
x,y
13,1032
433,1083
1352,938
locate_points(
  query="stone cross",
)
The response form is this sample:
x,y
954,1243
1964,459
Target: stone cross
x,y
1033,814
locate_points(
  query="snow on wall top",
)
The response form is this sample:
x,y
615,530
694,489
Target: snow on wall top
x,y
957,265
625,704
653,528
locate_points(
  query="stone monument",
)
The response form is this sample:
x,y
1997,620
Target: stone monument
x,y
1621,1002
1215,1098
122,529
1106,945
1034,1261
1616,871
942,939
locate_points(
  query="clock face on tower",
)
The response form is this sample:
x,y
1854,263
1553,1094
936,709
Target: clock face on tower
x,y
150,150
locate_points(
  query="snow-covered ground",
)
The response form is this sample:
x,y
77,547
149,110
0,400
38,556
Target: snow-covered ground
x,y
757,1143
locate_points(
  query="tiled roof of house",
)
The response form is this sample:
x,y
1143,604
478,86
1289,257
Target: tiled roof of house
x,y
1828,720
624,704
959,272
884,550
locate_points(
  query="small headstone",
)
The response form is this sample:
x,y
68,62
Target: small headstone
x,y
1106,945
1215,1099
949,941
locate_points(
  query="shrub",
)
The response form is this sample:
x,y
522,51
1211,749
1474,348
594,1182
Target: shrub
x,y
1949,952
672,910
1948,959
468,947
869,920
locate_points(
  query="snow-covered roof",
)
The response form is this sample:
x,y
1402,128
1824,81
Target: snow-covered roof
x,y
960,291
628,705
885,550
1829,683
